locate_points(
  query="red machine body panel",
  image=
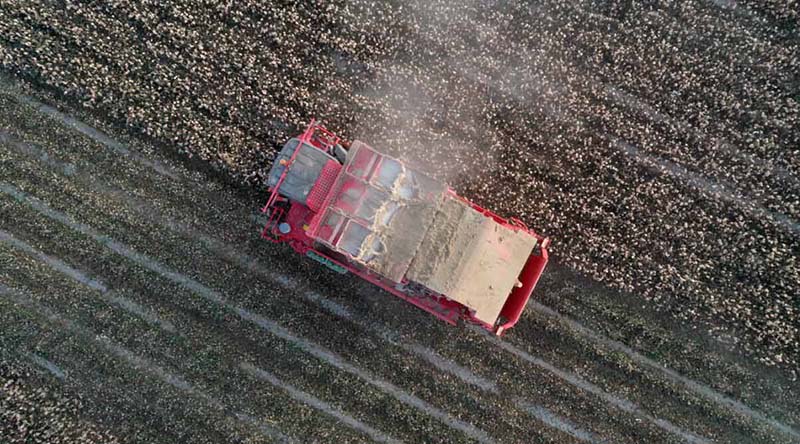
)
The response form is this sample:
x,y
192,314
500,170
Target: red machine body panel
x,y
398,228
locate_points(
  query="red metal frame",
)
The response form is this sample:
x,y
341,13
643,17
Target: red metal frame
x,y
302,220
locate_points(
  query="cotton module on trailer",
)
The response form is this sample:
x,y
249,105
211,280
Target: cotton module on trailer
x,y
356,210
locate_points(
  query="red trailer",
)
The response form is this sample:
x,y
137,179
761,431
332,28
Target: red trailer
x,y
359,211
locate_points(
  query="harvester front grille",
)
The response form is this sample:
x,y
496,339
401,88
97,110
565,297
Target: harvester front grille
x,y
316,197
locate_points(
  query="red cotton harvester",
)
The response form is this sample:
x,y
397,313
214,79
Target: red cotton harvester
x,y
361,211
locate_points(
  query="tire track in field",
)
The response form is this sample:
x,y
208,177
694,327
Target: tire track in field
x,y
635,103
318,404
35,405
698,388
618,402
108,295
264,323
733,404
567,426
45,364
703,185
96,135
136,362
677,29
703,182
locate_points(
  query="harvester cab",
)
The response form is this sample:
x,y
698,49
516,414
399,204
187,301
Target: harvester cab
x,y
364,212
